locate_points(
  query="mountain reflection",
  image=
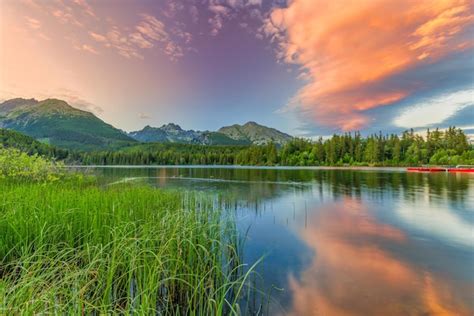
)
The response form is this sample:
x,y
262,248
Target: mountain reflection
x,y
358,270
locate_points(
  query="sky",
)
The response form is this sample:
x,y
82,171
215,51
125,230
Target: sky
x,y
307,67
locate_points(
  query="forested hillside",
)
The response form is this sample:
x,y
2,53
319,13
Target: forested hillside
x,y
27,144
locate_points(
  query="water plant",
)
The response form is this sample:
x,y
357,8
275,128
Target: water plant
x,y
83,249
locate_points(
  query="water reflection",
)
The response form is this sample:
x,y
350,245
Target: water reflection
x,y
271,183
346,242
357,270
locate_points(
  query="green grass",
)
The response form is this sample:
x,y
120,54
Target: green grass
x,y
78,249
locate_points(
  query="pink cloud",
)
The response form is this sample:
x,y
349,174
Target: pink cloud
x,y
98,37
148,33
347,49
89,49
66,17
33,23
86,7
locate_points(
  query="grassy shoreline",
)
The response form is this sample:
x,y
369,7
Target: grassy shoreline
x,y
75,248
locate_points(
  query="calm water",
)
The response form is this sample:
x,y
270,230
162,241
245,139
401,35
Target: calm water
x,y
343,242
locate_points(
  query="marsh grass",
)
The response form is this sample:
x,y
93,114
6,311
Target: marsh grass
x,y
80,249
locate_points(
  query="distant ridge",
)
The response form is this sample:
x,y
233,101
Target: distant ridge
x,y
255,133
247,134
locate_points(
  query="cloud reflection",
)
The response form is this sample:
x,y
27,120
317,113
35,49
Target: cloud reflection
x,y
356,270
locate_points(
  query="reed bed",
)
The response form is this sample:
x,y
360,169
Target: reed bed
x,y
84,250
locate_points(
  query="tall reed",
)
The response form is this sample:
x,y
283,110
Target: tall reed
x,y
81,249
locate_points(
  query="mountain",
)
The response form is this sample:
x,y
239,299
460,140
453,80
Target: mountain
x,y
250,133
172,133
55,122
255,133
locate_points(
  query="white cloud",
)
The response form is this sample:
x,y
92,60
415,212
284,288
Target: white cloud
x,y
436,110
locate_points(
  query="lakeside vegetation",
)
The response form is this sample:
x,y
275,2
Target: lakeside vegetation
x,y
450,147
69,246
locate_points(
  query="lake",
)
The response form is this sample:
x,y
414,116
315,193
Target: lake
x,y
344,242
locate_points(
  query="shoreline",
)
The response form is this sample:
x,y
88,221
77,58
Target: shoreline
x,y
361,168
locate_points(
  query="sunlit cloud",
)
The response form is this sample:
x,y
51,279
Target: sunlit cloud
x,y
33,23
98,37
349,50
66,17
89,49
86,7
339,65
436,110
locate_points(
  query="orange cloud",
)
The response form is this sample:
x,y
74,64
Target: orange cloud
x,y
347,49
353,273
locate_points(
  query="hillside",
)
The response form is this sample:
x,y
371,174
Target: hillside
x,y
55,122
29,145
255,133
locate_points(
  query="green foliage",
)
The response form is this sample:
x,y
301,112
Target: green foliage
x,y
72,247
348,149
81,249
450,147
27,144
17,165
451,157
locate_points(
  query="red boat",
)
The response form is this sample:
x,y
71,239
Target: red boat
x,y
462,168
426,169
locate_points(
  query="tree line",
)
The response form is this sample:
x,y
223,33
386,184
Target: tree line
x,y
449,147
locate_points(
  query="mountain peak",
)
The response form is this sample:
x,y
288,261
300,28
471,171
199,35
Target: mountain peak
x,y
251,123
171,127
255,133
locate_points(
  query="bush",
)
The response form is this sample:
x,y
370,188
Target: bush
x,y
17,165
